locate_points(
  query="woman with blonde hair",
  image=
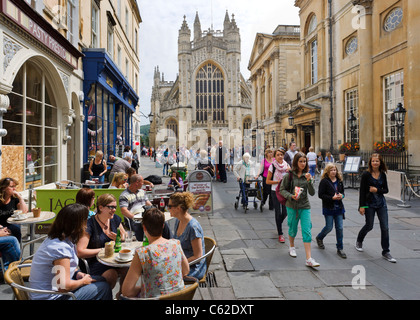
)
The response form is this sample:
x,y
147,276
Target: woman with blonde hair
x,y
188,231
119,181
97,167
331,191
102,228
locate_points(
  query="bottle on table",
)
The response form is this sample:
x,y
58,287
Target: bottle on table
x,y
117,247
162,204
145,241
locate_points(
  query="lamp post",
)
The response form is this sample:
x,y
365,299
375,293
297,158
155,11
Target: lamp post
x,y
399,117
351,121
273,133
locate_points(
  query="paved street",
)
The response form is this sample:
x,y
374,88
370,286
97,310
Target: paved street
x,y
250,263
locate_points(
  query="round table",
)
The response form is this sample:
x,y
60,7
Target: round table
x,y
111,261
31,221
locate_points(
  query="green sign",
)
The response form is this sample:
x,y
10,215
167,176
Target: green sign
x,y
56,199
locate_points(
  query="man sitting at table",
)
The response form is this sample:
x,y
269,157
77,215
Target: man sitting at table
x,y
131,201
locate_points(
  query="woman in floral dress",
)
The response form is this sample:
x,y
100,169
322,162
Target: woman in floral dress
x,y
162,264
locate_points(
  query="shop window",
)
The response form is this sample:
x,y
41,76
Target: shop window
x,y
32,126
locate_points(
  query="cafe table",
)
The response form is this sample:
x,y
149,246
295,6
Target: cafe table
x,y
113,261
30,220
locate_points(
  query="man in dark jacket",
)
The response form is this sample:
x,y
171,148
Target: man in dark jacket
x,y
221,156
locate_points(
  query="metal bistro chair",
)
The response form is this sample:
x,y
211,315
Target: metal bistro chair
x,y
210,247
185,294
14,278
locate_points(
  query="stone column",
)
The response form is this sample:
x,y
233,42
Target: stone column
x,y
366,122
412,79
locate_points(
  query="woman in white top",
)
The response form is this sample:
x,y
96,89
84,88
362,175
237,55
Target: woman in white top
x,y
277,170
312,159
244,171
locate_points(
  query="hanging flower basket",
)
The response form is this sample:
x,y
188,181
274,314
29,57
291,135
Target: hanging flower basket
x,y
388,147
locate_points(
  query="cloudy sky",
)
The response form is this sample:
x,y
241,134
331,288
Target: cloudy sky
x,y
162,20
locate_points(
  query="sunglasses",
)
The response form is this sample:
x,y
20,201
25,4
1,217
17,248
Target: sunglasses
x,y
112,207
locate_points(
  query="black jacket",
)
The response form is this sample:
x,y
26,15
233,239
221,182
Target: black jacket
x,y
326,192
368,181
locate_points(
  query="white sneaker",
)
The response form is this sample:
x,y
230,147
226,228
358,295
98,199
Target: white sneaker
x,y
312,263
292,252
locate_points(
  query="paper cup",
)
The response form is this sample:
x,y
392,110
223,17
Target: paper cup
x,y
36,212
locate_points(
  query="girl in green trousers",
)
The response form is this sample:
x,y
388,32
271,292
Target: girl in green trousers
x,y
298,206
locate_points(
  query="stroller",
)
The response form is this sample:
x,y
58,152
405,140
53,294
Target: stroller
x,y
248,190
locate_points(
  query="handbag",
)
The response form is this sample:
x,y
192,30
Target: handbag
x,y
279,196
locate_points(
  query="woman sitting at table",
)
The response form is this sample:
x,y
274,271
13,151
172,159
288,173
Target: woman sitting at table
x,y
176,182
10,200
162,263
55,262
119,181
102,228
189,231
86,196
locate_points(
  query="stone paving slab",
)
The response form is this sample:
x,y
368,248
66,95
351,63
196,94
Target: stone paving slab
x,y
249,285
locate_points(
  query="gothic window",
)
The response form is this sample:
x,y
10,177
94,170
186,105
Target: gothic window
x,y
172,127
210,98
393,19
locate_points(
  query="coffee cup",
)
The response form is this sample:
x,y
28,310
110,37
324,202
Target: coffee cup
x,y
16,213
36,212
125,254
21,216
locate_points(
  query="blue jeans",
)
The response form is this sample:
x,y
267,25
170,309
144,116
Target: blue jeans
x,y
10,250
383,223
165,169
329,221
101,179
99,290
312,170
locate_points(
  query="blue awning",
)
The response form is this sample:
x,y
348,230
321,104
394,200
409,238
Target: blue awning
x,y
99,67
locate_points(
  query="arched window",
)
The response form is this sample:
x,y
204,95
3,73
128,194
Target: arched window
x,y
31,122
312,24
172,127
210,97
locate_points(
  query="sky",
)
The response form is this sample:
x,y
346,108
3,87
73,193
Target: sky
x,y
162,20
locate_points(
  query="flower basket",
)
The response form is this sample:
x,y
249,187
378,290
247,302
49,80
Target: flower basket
x,y
388,147
349,148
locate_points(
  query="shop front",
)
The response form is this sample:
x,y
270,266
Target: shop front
x,y
109,106
38,90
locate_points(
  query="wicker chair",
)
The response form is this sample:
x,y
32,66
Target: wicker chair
x,y
14,278
185,294
210,247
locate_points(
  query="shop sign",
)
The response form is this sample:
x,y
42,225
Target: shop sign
x,y
11,11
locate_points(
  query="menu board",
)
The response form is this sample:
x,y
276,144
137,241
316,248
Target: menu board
x,y
352,165
200,185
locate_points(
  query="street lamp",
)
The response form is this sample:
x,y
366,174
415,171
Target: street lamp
x,y
291,121
151,116
399,117
352,125
273,133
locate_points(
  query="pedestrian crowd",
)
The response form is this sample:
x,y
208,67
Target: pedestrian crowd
x,y
78,233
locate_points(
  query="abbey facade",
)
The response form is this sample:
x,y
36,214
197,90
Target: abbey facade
x,y
210,100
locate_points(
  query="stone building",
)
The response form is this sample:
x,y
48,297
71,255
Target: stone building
x,y
366,65
210,99
275,76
